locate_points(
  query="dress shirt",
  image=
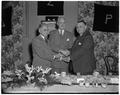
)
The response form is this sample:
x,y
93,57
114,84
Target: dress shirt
x,y
61,32
42,36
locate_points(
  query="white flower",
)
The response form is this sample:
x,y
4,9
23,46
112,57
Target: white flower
x,y
32,77
46,71
68,39
39,68
19,73
57,74
29,78
29,69
6,80
7,73
79,43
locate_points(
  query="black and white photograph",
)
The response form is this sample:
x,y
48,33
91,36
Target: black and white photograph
x,y
60,47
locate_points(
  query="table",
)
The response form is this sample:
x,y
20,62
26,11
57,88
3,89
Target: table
x,y
112,86
66,89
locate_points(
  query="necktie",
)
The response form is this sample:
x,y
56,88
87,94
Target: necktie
x,y
61,32
46,40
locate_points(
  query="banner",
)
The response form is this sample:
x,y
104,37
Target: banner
x,y
106,18
50,8
6,21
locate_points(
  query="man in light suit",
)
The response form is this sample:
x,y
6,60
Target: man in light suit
x,y
42,54
61,41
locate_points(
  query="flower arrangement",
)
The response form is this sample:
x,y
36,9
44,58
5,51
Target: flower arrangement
x,y
26,76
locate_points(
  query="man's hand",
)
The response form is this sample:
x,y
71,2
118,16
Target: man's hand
x,y
58,56
66,59
61,57
65,52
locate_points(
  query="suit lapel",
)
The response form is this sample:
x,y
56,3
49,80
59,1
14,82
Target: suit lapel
x,y
43,41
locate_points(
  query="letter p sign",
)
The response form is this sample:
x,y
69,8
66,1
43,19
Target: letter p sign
x,y
108,17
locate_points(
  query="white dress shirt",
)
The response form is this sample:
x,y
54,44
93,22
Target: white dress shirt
x,y
61,32
42,37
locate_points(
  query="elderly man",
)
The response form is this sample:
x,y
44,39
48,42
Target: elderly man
x,y
61,41
82,52
42,54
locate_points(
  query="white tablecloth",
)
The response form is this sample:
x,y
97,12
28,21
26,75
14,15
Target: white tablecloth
x,y
65,89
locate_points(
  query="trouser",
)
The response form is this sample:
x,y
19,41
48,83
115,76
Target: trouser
x,y
59,66
70,68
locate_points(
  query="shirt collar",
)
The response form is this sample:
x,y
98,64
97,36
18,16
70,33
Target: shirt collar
x,y
42,36
61,30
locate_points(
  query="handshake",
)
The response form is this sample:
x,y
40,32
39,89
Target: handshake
x,y
63,55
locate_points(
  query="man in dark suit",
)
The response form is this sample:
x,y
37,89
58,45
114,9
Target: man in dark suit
x,y
42,54
82,52
60,40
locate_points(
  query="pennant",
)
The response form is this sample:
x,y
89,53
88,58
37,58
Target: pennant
x,y
6,21
50,8
106,18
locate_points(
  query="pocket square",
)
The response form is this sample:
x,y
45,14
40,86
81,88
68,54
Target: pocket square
x,y
79,43
68,39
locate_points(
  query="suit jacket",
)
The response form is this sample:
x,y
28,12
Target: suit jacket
x,y
57,42
42,54
82,54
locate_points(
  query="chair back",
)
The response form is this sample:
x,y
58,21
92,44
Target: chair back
x,y
111,63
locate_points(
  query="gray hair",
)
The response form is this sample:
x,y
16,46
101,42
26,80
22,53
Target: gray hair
x,y
59,18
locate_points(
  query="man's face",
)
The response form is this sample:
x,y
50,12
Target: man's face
x,y
61,23
44,31
81,27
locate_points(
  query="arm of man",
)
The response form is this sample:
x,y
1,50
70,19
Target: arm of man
x,y
42,51
71,40
88,42
65,52
66,59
